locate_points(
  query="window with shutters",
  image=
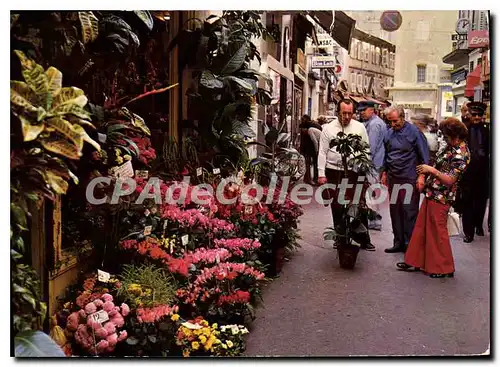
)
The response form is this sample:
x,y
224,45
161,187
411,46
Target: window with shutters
x,y
422,31
432,73
392,58
471,66
385,53
373,55
377,56
354,49
360,83
367,52
366,81
360,51
421,69
353,82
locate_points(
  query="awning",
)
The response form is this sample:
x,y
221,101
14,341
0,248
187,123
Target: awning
x,y
342,28
473,80
357,99
457,57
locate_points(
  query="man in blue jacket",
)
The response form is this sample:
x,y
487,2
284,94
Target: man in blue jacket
x,y
376,130
405,148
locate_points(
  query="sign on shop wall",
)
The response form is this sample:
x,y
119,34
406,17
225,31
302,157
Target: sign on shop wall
x,y
323,62
447,104
478,39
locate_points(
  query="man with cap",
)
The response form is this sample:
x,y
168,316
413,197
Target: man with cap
x,y
475,181
376,130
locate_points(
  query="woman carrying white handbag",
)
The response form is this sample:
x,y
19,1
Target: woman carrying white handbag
x,y
429,248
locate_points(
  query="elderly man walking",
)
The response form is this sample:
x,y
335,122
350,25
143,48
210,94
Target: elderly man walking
x,y
376,129
405,149
330,162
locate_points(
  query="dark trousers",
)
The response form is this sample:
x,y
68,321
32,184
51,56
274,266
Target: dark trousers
x,y
403,216
475,192
311,160
335,177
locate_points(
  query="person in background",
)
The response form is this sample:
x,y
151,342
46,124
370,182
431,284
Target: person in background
x,y
405,149
307,148
429,248
464,114
424,122
376,129
475,183
330,163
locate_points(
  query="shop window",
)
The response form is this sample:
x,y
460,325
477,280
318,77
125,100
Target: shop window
x,y
421,71
471,66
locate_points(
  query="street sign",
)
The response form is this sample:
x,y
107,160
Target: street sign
x,y
391,20
323,62
459,37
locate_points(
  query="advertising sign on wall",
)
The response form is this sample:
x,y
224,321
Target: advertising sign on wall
x,y
447,104
478,39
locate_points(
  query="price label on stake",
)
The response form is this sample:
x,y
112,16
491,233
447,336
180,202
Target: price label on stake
x,y
217,258
142,174
165,224
102,137
171,246
185,239
199,171
103,276
216,171
100,316
147,230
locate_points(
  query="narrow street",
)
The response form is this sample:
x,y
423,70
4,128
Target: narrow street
x,y
315,308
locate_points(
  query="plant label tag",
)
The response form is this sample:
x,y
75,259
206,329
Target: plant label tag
x,y
199,171
191,326
185,239
217,258
216,171
100,316
102,137
147,230
103,276
165,224
248,209
142,174
171,246
124,171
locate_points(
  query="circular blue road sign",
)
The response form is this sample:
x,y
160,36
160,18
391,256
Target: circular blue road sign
x,y
391,20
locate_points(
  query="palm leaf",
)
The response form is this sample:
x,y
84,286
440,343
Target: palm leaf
x,y
90,26
146,17
236,61
36,344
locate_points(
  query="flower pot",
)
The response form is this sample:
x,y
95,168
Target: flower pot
x,y
347,256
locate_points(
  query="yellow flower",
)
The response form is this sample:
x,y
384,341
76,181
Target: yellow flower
x,y
185,353
214,326
229,343
195,345
224,346
203,339
175,317
206,332
204,322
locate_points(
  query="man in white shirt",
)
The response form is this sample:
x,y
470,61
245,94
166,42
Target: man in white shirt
x,y
330,167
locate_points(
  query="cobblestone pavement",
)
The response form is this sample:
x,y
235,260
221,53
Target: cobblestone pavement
x,y
315,308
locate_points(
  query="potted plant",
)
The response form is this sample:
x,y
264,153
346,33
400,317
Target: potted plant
x,y
354,153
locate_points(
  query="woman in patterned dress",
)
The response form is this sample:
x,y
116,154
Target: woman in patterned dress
x,y
429,248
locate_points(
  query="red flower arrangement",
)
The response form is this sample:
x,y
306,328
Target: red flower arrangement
x,y
237,245
153,314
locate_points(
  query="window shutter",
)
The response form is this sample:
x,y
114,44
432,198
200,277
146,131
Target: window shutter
x,y
360,50
354,49
384,57
431,74
353,82
360,83
367,52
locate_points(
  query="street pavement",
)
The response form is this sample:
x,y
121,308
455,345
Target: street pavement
x,y
315,308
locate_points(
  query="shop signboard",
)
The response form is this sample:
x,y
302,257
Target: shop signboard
x,y
301,58
324,62
300,73
478,39
458,76
447,104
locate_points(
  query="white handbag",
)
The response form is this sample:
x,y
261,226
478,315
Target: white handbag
x,y
454,223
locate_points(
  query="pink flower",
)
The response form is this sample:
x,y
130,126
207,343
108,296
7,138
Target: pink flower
x,y
93,324
110,328
98,303
72,321
107,297
125,309
118,320
82,314
112,339
108,306
101,333
102,346
123,335
90,308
